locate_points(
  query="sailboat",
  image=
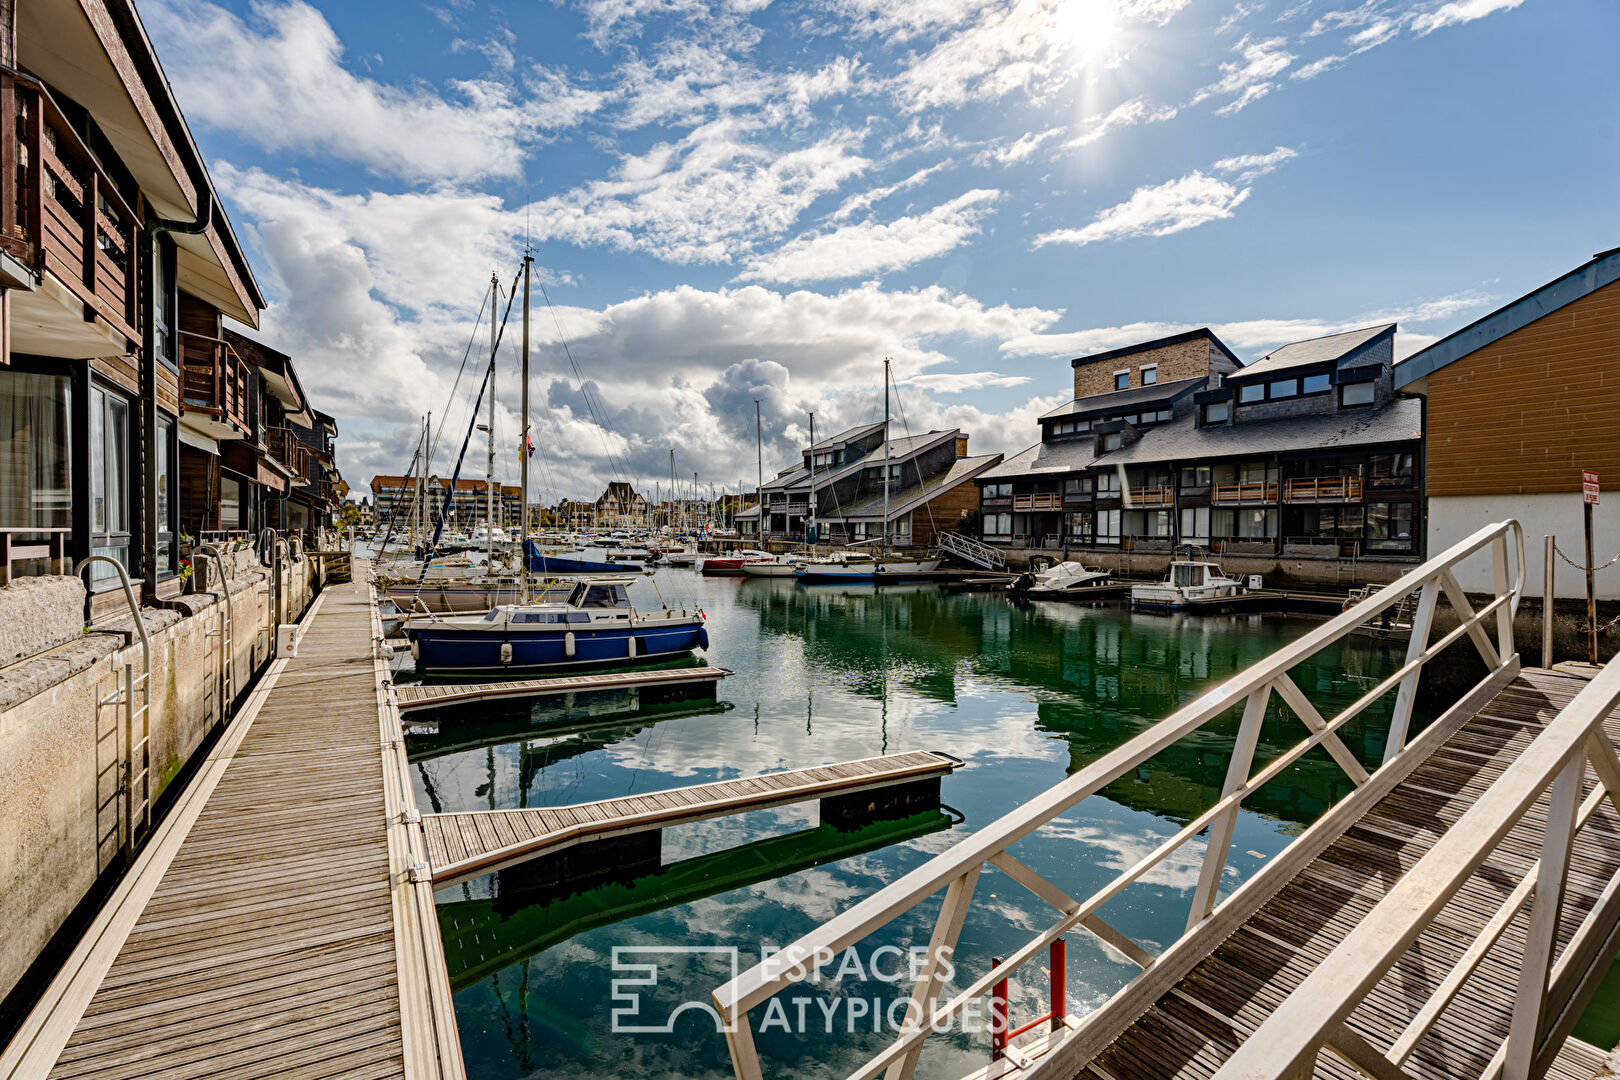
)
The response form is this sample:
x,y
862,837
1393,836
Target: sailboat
x,y
882,569
596,625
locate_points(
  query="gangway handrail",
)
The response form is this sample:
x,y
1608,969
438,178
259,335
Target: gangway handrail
x,y
1313,1014
130,712
957,869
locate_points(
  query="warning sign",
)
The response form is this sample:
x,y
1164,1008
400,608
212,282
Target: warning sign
x,y
1589,486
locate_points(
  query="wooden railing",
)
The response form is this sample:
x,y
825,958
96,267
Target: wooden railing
x,y
1323,489
1038,502
283,445
1210,919
1255,492
60,211
1314,1014
213,379
53,549
1152,496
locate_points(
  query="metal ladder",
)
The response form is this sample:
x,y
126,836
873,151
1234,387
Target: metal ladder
x,y
227,635
137,815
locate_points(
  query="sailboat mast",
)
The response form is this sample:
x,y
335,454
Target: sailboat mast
x,y
523,442
884,546
489,482
759,465
810,500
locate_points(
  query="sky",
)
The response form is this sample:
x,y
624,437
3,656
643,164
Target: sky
x,y
738,200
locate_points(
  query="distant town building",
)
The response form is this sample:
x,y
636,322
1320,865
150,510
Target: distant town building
x,y
1519,403
620,507
1307,452
396,499
930,486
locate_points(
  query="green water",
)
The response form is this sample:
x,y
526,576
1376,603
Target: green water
x,y
1024,694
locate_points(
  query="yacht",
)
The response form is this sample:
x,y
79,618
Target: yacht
x,y
1066,579
1191,579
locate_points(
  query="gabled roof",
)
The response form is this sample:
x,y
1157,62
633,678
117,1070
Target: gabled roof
x,y
1182,440
909,498
1319,350
1119,401
845,437
1158,343
1602,269
899,450
1043,459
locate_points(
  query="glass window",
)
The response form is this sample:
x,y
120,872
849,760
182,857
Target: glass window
x,y
1256,524
1217,412
1392,470
1195,477
1360,393
1108,483
1195,523
902,525
168,554
109,480
1150,374
1285,388
1077,485
1122,380
1252,392
1317,384
1389,526
230,502
1108,526
1077,527
35,479
1111,441
163,300
997,524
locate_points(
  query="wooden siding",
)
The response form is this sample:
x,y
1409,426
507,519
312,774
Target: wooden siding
x,y
946,509
1526,413
121,371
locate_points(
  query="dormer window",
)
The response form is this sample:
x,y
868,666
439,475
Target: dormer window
x,y
1357,393
1122,380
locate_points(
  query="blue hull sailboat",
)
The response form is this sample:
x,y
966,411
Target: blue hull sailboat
x,y
551,565
595,627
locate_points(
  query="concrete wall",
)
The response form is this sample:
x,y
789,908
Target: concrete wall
x,y
59,751
1453,517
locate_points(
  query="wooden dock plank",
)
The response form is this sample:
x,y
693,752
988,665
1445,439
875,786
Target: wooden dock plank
x,y
416,696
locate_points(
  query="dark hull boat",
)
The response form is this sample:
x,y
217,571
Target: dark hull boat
x,y
540,563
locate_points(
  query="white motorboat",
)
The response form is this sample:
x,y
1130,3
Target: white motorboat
x,y
1190,580
1066,579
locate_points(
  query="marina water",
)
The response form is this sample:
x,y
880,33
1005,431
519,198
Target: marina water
x,y
1024,694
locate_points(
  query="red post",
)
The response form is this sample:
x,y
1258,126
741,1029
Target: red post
x,y
1060,981
998,1016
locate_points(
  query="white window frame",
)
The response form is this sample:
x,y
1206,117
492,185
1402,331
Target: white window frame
x,y
1144,369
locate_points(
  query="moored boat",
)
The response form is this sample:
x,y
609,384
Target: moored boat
x,y
541,563
1066,579
733,563
878,571
1190,580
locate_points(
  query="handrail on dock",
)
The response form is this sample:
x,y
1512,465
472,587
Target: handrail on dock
x,y
1210,919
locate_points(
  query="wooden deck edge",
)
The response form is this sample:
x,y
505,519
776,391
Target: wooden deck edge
x,y
410,702
38,1043
432,1043
572,835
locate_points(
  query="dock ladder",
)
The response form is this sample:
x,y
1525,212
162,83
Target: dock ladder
x,y
227,636
137,756
970,550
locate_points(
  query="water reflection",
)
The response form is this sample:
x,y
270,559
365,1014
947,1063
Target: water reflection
x,y
1026,694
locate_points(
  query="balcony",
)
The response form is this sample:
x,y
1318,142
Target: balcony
x,y
1320,489
282,444
1152,496
64,221
213,387
1240,494
1038,502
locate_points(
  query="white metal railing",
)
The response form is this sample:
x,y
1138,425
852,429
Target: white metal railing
x,y
966,547
1545,1004
1210,919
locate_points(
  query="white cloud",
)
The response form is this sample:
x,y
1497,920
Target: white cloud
x,y
1126,114
1248,78
864,200
289,91
1013,46
1458,12
1020,149
958,382
1249,166
875,247
1238,13
1160,210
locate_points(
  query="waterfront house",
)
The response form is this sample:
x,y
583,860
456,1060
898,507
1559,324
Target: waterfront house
x,y
1518,404
841,482
1306,453
469,503
619,506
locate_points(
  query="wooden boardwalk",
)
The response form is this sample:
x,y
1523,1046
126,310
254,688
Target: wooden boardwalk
x,y
414,697
271,927
1193,1028
465,845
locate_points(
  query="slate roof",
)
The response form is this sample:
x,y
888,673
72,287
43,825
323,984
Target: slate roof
x,y
846,436
899,450
910,497
1602,269
1063,456
1121,401
1182,440
1313,351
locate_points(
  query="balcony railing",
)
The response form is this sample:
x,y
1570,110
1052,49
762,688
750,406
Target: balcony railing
x,y
282,444
1038,502
213,380
1246,493
59,210
1153,496
1323,489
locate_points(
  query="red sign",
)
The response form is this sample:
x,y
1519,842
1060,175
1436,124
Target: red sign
x,y
1589,486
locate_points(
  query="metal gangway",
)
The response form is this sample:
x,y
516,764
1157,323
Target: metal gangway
x,y
1449,917
970,550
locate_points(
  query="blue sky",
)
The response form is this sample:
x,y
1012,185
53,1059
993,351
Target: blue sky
x,y
741,199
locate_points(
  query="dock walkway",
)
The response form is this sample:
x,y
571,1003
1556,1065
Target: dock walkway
x,y
271,927
414,697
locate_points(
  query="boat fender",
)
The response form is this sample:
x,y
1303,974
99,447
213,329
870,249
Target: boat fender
x,y
568,644
416,651
506,652
703,638
632,646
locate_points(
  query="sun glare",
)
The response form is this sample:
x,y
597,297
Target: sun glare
x,y
1089,26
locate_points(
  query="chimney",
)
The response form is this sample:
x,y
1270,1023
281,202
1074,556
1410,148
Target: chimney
x,y
961,446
